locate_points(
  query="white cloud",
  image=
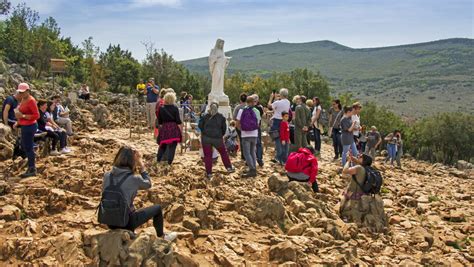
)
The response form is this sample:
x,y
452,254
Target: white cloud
x,y
148,3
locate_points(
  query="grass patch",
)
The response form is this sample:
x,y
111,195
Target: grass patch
x,y
433,198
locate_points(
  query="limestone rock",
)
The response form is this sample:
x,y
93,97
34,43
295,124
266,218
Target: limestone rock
x,y
297,229
9,213
283,252
192,224
175,213
277,183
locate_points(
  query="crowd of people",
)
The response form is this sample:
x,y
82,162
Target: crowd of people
x,y
34,121
293,127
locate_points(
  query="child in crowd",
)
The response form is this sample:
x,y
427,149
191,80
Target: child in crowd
x,y
230,139
284,137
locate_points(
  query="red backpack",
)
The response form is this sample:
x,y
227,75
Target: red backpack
x,y
303,161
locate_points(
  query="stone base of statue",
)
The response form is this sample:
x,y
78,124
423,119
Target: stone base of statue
x,y
223,101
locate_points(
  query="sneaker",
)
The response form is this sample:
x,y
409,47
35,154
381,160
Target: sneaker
x,y
29,173
65,150
231,169
54,153
250,173
170,237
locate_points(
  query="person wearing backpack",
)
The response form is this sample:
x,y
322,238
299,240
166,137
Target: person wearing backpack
x,y
248,120
362,195
213,128
119,189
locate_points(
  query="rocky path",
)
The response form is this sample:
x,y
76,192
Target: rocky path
x,y
50,219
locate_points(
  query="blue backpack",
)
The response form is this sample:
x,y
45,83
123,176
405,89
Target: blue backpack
x,y
248,120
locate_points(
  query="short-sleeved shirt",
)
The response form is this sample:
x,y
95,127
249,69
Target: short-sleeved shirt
x,y
356,131
315,110
10,100
347,138
373,138
279,106
253,133
151,97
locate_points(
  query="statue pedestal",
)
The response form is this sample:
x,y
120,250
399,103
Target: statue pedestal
x,y
223,101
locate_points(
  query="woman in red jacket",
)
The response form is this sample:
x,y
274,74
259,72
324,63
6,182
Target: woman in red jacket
x,y
302,166
27,113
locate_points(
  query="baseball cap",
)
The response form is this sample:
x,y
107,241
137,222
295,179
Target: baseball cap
x,y
22,87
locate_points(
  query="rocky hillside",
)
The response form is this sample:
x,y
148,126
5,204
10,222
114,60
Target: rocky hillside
x,y
409,79
228,221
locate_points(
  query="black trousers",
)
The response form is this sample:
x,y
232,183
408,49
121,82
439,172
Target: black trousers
x,y
140,217
171,151
314,185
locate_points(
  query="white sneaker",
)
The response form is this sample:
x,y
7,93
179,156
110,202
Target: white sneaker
x,y
170,236
65,150
54,153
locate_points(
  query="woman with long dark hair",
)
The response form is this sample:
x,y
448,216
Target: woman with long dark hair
x,y
335,124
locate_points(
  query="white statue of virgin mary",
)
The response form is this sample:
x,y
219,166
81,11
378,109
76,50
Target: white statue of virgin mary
x,y
218,62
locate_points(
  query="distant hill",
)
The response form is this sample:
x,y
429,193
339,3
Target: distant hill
x,y
414,80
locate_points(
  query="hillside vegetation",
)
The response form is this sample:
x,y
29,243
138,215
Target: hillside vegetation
x,y
413,80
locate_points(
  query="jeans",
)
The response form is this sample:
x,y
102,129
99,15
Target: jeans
x,y
150,114
362,146
141,216
207,150
317,139
276,126
284,152
27,137
171,151
392,152
345,149
249,148
259,147
336,142
65,122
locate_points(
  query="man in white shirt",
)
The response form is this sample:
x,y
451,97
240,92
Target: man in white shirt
x,y
278,107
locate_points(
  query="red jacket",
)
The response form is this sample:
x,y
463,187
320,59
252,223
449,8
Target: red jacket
x,y
303,161
284,131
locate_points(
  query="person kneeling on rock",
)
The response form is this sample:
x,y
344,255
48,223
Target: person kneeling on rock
x,y
361,202
119,189
302,166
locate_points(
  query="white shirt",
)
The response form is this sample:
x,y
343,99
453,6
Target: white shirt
x,y
279,106
314,115
356,118
253,133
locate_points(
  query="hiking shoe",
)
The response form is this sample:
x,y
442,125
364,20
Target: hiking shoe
x,y
250,173
231,169
65,150
54,153
29,173
171,236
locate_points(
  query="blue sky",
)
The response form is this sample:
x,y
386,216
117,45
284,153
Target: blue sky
x,y
188,28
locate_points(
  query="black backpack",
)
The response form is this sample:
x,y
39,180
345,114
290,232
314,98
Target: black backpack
x,y
372,183
114,209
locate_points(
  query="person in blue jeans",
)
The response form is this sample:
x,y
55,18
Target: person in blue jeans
x,y
278,106
392,140
347,138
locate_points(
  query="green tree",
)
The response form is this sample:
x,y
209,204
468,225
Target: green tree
x,y
121,69
17,34
385,120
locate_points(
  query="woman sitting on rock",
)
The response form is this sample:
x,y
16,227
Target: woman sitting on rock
x,y
356,205
123,174
52,130
170,128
